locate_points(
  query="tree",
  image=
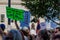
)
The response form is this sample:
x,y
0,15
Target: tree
x,y
49,9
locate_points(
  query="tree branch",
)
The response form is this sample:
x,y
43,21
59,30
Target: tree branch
x,y
52,20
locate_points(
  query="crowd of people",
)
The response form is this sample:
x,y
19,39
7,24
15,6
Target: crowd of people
x,y
24,34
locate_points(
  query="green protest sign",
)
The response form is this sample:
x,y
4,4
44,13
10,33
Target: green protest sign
x,y
15,14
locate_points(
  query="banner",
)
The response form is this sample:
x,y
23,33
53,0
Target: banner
x,y
26,19
14,14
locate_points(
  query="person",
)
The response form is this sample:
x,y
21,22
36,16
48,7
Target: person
x,y
57,37
43,35
57,34
32,30
2,26
14,35
57,29
39,36
2,33
32,26
26,33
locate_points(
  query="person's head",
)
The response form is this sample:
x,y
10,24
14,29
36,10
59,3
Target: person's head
x,y
14,35
57,37
44,35
57,29
33,26
2,27
25,31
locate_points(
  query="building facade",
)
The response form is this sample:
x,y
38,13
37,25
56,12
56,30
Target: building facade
x,y
14,4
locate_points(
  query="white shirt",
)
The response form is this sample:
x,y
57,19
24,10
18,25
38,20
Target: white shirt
x,y
33,32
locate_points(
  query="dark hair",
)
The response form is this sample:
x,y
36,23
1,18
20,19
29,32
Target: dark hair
x,y
24,32
57,36
2,26
44,35
58,28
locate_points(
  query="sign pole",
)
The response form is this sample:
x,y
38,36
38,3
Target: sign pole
x,y
9,5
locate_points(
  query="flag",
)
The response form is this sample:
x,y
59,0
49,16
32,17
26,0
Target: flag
x,y
38,26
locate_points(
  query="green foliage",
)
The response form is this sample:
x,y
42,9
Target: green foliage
x,y
40,8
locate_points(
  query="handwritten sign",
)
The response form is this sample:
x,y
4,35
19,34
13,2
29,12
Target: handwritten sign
x,y
26,19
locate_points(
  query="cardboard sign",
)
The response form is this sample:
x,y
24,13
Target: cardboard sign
x,y
14,14
26,19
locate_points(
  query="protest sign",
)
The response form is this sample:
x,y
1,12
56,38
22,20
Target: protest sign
x,y
26,19
14,14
